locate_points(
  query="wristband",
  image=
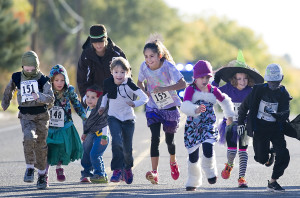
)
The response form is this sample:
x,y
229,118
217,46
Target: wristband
x,y
104,137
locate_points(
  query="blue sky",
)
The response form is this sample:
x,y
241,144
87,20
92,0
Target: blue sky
x,y
277,21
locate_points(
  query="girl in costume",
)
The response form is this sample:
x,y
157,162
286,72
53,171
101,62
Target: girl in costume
x,y
163,79
64,145
240,79
200,127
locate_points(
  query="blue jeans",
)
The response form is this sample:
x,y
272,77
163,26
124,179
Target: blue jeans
x,y
92,161
122,134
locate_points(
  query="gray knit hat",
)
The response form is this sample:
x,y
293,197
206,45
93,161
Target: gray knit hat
x,y
30,58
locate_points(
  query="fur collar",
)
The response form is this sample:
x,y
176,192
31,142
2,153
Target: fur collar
x,y
207,96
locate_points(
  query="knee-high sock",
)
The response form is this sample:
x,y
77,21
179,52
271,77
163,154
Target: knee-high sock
x,y
231,153
209,166
243,155
194,174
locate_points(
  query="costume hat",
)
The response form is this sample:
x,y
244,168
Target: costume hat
x,y
239,66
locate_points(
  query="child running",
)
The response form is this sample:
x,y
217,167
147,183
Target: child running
x,y
34,96
121,93
64,145
163,79
95,138
267,108
240,79
200,127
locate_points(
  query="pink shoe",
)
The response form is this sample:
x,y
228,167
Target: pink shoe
x,y
152,176
60,174
174,170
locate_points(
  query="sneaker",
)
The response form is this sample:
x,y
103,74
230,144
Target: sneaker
x,y
226,171
42,182
242,182
152,176
29,175
174,170
85,180
190,188
271,158
212,180
275,187
99,179
128,176
60,175
117,176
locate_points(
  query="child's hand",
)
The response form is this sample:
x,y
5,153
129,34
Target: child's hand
x,y
229,121
200,109
101,110
158,89
83,136
130,103
103,142
34,95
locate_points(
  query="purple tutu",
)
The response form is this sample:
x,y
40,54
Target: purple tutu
x,y
222,131
168,117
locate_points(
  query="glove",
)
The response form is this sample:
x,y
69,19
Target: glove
x,y
217,78
241,130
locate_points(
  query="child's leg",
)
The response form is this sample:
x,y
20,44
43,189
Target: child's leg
x,y
231,140
115,127
243,156
29,141
194,171
209,162
155,139
171,146
86,159
127,134
96,154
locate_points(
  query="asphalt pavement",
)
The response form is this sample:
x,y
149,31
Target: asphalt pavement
x,y
12,168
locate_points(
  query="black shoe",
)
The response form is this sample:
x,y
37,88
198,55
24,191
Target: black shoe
x,y
190,188
271,158
212,180
29,175
275,187
42,182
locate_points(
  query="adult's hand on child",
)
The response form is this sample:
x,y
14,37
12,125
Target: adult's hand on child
x,y
83,136
241,130
101,110
103,142
130,103
200,109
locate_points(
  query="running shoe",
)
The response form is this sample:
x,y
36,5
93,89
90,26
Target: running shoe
x,y
242,182
174,170
152,176
60,174
226,171
117,176
29,175
275,187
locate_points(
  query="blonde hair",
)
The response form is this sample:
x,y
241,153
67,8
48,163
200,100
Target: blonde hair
x,y
155,44
122,62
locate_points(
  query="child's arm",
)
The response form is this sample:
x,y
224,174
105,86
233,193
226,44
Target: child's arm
x,y
181,84
47,96
76,103
226,105
104,138
143,98
103,104
187,106
8,94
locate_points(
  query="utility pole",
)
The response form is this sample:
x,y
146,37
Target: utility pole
x,y
34,33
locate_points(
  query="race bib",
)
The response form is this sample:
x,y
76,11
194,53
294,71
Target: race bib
x,y
27,88
236,107
262,114
57,116
162,99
